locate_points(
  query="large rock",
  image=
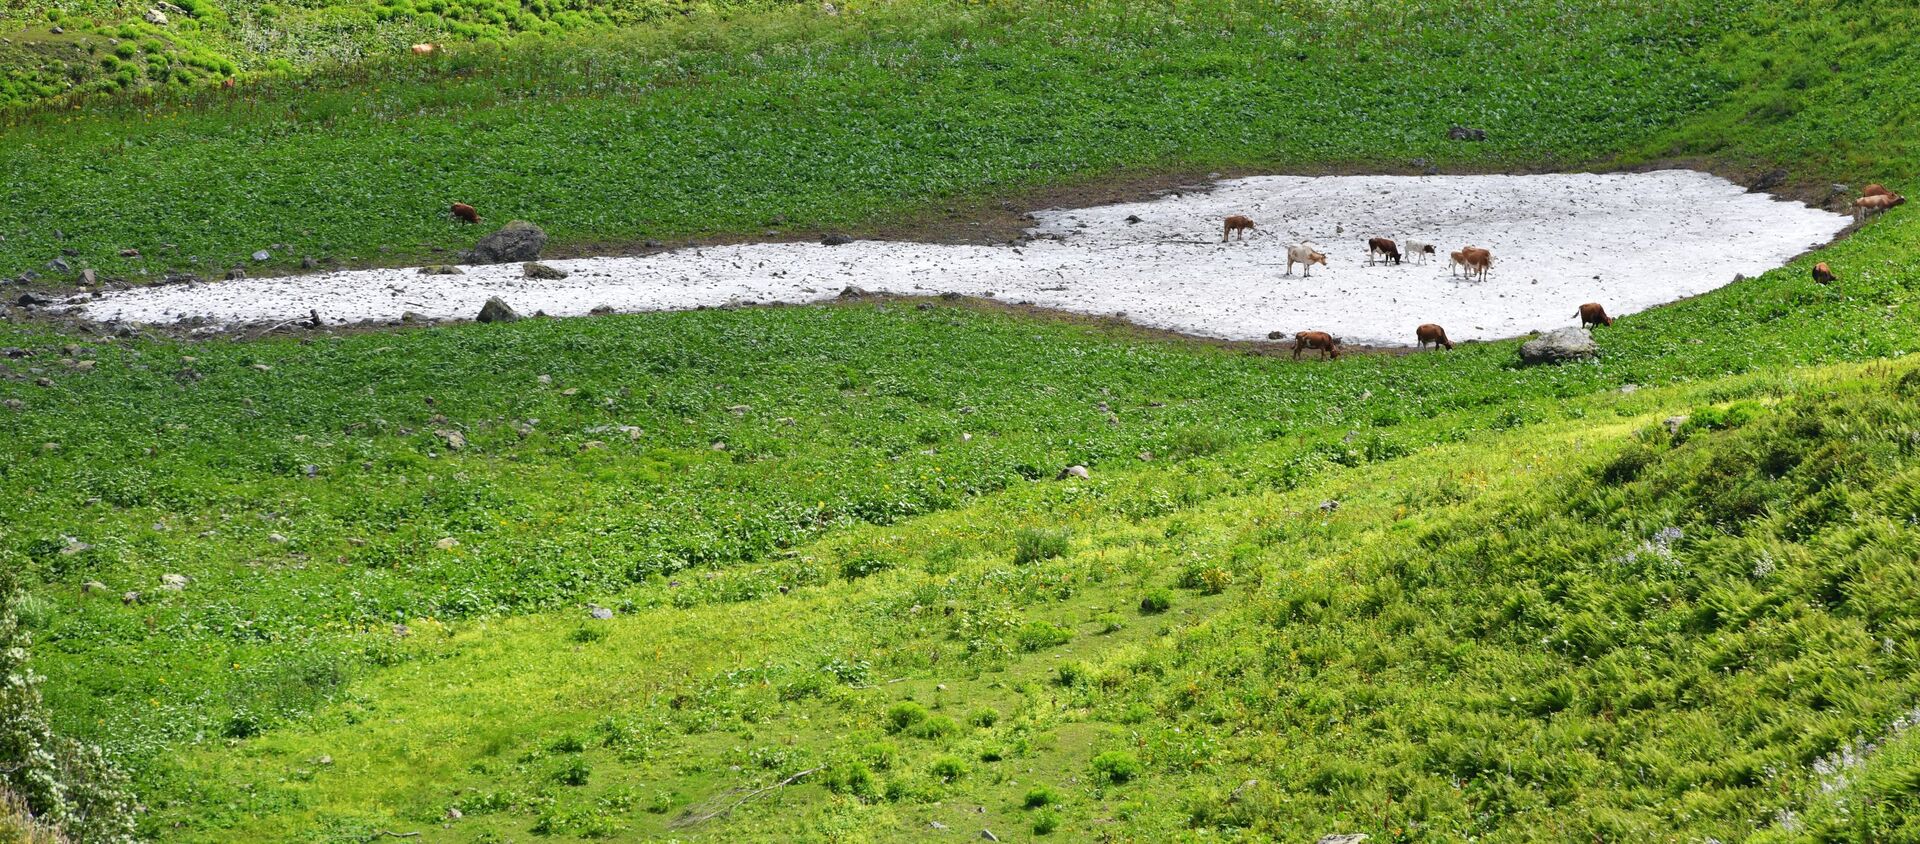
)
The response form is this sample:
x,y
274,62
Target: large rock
x,y
535,269
515,242
1559,346
497,310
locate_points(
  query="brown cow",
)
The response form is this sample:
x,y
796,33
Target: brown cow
x,y
425,49
1236,223
1327,344
463,211
1475,261
1868,205
1875,189
1384,247
1822,274
1592,314
1434,334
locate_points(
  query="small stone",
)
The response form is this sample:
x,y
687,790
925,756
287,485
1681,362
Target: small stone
x,y
720,446
93,587
936,825
988,835
600,310
15,404
1329,506
593,445
263,367
276,539
740,409
853,292
453,814
441,269
535,269
307,262
966,437
130,598
236,274
454,439
129,253
1343,838
1075,471
323,761
173,582
262,255
447,543
60,265
156,17
1674,423
497,310
835,240
1133,219
600,612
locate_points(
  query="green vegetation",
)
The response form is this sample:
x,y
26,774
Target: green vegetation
x,y
1427,597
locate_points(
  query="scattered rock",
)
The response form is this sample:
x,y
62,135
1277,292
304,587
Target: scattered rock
x,y
849,292
60,265
447,543
497,310
515,242
29,300
1133,219
740,409
599,612
454,439
130,598
600,310
1674,423
1559,346
1343,838
129,253
719,446
453,814
263,367
277,538
307,262
173,582
835,240
1329,506
156,17
593,445
441,269
58,31
1769,180
93,587
535,269
936,825
1629,389
262,255
988,835
653,244
1463,133
1075,471
1276,335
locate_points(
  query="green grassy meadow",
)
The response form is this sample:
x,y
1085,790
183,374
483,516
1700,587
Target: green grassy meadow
x,y
1428,597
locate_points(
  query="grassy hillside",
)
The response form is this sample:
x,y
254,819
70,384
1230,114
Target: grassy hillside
x,y
831,537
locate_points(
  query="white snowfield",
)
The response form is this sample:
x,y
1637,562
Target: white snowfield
x,y
1627,241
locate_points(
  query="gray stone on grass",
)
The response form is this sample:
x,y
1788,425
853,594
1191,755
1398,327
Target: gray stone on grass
x,y
497,310
1559,346
515,242
535,269
441,269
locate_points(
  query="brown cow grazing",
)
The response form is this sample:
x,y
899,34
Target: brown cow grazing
x,y
1822,274
463,211
227,83
1869,205
1327,344
1383,247
1592,314
1475,261
425,49
1236,223
1875,190
1434,334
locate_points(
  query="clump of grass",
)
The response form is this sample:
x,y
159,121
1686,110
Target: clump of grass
x,y
1115,767
1039,796
1041,635
1031,545
904,716
1156,601
949,768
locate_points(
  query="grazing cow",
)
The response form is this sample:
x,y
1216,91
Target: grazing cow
x,y
1434,334
1236,224
1383,247
1592,314
463,211
1868,205
1822,274
1475,261
1875,189
1420,250
1327,344
425,49
227,83
1304,254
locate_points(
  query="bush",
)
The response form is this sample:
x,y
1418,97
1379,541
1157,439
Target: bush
x,y
865,564
905,715
573,773
881,755
1040,635
949,768
1044,823
1039,796
1116,767
1156,602
1032,545
853,779
984,718
936,727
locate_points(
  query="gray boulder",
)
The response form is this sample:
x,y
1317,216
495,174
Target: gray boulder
x,y
497,310
535,269
1559,346
1466,133
441,269
515,242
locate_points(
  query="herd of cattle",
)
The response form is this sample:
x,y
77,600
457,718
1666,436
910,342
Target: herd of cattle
x,y
1475,262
